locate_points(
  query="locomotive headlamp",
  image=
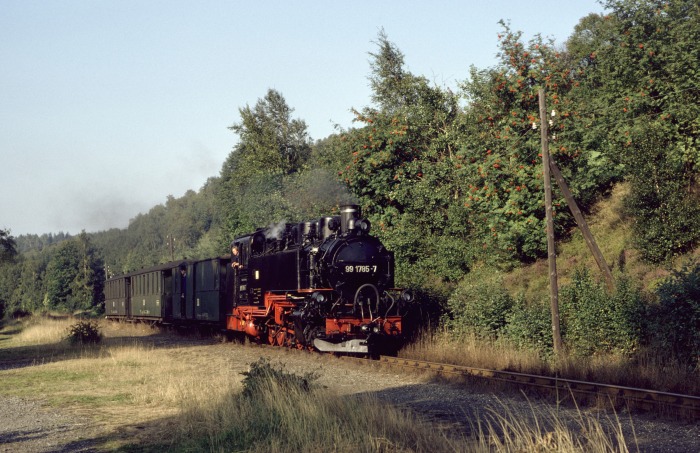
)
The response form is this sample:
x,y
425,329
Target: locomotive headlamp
x,y
318,297
365,328
376,329
364,226
406,296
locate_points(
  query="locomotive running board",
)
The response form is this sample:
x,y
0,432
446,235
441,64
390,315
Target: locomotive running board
x,y
351,346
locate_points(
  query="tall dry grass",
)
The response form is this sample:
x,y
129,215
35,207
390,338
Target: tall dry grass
x,y
151,398
646,369
544,430
278,417
35,331
282,419
440,346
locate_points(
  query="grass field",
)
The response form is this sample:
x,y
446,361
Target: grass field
x,y
149,391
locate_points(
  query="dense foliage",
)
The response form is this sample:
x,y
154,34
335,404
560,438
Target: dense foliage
x,y
642,91
480,305
452,181
596,322
675,321
8,247
402,169
502,155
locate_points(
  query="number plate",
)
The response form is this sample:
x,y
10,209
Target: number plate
x,y
360,269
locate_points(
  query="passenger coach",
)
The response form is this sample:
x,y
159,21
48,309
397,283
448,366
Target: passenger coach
x,y
173,293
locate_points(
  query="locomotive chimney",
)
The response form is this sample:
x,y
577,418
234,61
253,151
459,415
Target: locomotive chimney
x,y
327,226
349,213
306,232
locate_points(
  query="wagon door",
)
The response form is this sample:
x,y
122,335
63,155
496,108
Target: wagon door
x,y
207,293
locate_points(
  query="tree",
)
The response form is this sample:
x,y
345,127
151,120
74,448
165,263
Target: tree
x,y
8,247
401,167
272,149
271,142
643,66
8,252
9,276
500,156
74,276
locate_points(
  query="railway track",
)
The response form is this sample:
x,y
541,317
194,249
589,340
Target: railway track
x,y
665,403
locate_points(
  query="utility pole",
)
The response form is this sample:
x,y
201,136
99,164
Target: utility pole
x,y
583,226
170,239
551,252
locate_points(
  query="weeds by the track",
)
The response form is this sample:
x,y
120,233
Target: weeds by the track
x,y
644,370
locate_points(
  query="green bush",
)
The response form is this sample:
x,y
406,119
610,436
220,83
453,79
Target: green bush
x,y
666,219
84,332
479,305
262,376
593,321
530,327
675,322
666,210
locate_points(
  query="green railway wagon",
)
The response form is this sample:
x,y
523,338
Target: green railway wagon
x,y
211,277
117,295
185,293
151,294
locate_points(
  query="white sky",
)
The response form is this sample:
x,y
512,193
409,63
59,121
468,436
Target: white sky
x,y
107,107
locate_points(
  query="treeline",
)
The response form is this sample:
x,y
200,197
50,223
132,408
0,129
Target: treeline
x,y
451,179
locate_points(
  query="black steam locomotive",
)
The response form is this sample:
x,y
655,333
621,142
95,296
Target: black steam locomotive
x,y
326,285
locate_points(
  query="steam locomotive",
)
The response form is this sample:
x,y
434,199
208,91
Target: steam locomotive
x,y
326,285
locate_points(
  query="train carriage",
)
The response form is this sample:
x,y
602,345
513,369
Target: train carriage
x,y
117,295
151,295
326,285
211,294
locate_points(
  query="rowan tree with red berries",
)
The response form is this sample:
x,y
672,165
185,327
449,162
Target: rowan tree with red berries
x,y
501,156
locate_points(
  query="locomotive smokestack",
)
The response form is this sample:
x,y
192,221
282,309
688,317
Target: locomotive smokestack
x,y
349,213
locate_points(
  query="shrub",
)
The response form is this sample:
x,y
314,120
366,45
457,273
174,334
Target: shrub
x,y
666,210
84,332
530,327
262,375
593,321
675,322
479,305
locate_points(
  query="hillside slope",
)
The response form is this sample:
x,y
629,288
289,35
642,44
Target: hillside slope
x,y
612,230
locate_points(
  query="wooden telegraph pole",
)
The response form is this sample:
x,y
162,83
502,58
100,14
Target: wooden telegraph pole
x,y
551,252
581,222
171,244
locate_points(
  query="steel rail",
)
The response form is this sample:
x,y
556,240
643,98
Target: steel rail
x,y
685,406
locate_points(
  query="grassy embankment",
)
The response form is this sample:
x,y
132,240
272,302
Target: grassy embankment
x,y
644,369
141,393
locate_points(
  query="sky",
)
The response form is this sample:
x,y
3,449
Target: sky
x,y
108,107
